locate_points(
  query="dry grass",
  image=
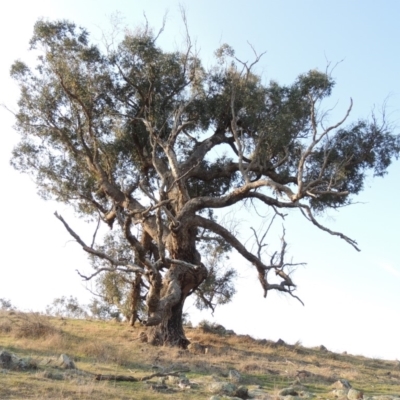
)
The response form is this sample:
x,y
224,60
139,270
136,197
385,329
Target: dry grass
x,y
113,348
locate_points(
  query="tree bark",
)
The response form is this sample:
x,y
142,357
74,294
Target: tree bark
x,y
135,299
170,331
177,284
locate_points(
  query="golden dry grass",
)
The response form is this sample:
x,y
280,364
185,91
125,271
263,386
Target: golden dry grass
x,y
113,348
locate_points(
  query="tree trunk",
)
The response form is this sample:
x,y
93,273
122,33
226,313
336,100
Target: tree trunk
x,y
178,283
170,331
135,299
165,314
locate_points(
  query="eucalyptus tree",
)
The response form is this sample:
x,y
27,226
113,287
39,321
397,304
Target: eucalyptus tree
x,y
127,136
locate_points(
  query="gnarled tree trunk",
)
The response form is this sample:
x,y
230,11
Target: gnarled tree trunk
x,y
179,282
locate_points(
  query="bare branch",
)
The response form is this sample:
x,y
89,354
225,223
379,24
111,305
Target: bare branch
x,y
97,253
95,232
308,214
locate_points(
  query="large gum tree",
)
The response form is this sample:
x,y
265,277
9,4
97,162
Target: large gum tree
x,y
128,135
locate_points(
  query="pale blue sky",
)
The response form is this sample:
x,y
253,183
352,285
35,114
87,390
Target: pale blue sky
x,y
352,299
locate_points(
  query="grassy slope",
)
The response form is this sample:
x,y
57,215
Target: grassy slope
x,y
113,348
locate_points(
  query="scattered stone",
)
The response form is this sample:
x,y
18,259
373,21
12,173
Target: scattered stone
x,y
341,384
280,342
11,361
340,393
354,394
53,375
65,362
222,388
173,380
294,390
259,394
158,388
242,392
234,376
306,395
184,384
302,374
290,397
322,348
5,359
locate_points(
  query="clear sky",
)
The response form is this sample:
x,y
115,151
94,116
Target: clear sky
x,y
352,300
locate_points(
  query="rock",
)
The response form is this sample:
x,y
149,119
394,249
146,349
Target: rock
x,y
222,388
342,384
241,392
184,386
234,376
306,395
11,361
340,393
65,362
259,394
280,342
158,388
290,391
322,348
354,394
173,379
53,375
224,398
302,374
290,397
6,359
383,397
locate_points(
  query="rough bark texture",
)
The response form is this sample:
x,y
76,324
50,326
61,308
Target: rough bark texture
x,y
135,298
178,283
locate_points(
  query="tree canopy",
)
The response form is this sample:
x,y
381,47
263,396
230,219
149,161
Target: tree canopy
x,y
127,135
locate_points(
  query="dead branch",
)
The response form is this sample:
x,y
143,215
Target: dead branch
x,y
308,215
116,378
158,374
95,232
125,378
113,261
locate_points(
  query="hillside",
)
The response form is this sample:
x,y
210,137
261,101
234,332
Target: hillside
x,y
218,363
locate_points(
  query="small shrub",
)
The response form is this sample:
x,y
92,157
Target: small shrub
x,y
5,327
34,326
212,327
5,304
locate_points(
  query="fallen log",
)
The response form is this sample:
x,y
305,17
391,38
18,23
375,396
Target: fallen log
x,y
126,378
118,378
